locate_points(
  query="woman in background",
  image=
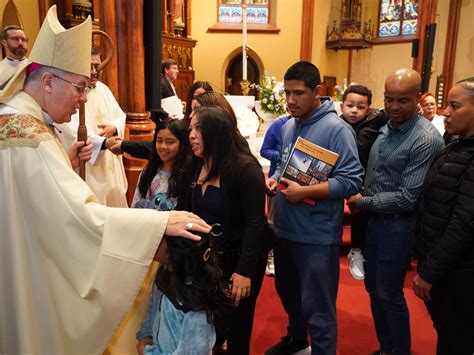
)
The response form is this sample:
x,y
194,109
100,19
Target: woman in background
x,y
429,111
195,90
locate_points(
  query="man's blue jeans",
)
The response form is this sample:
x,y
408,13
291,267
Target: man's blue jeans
x,y
387,254
306,279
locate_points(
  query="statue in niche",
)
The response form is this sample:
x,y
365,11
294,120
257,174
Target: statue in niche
x,y
177,13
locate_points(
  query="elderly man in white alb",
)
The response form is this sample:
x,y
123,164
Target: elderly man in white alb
x,y
15,43
70,267
104,118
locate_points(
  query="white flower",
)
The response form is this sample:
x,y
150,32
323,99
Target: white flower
x,y
247,121
264,100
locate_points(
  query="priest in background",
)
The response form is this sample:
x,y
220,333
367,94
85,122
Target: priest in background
x,y
15,44
70,268
104,118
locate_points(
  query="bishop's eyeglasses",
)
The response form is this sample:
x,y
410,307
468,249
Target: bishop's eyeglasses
x,y
80,88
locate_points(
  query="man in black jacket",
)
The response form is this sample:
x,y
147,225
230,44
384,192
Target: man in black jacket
x,y
169,73
445,243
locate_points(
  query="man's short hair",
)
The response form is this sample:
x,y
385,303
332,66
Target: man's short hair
x,y
306,72
34,76
167,63
359,90
10,28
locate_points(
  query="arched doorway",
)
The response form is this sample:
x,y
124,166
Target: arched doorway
x,y
234,74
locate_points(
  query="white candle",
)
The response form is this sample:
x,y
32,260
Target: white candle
x,y
244,39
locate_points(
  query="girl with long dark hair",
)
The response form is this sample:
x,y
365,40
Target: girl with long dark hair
x,y
188,301
159,181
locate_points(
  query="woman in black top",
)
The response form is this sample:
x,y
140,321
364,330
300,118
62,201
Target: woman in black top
x,y
228,191
445,243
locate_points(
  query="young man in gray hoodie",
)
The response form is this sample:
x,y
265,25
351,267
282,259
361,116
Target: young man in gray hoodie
x,y
307,248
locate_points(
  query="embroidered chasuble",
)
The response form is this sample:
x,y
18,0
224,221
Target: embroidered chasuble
x,y
70,268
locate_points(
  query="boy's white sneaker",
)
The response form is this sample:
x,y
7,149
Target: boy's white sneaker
x,y
356,264
270,269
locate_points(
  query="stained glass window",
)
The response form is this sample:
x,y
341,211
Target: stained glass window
x,y
230,11
398,18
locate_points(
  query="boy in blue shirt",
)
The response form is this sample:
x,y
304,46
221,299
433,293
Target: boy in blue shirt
x,y
271,150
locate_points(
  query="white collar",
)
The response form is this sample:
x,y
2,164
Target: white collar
x,y
15,62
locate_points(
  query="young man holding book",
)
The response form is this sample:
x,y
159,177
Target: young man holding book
x,y
307,249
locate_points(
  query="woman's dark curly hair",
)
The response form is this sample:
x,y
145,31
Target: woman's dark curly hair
x,y
194,282
180,131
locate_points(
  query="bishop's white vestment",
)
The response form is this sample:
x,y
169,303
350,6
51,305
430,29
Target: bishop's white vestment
x,y
70,268
105,173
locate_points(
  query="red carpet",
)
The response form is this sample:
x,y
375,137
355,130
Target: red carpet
x,y
356,334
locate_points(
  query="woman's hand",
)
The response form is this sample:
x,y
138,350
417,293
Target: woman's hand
x,y
240,287
142,343
114,144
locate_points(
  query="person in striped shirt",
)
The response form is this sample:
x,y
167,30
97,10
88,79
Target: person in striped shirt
x,y
398,161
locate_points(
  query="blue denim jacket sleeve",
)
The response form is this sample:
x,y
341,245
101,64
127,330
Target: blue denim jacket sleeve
x,y
146,329
197,336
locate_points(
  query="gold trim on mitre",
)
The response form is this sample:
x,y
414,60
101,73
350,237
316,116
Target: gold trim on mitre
x,y
68,50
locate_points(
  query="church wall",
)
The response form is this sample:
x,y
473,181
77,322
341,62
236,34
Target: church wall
x,y
277,51
29,14
371,66
329,62
464,63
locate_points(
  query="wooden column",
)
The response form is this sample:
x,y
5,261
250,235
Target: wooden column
x,y
427,15
307,30
42,11
451,43
123,21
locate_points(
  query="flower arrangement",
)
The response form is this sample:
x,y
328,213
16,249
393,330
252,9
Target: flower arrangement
x,y
271,95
